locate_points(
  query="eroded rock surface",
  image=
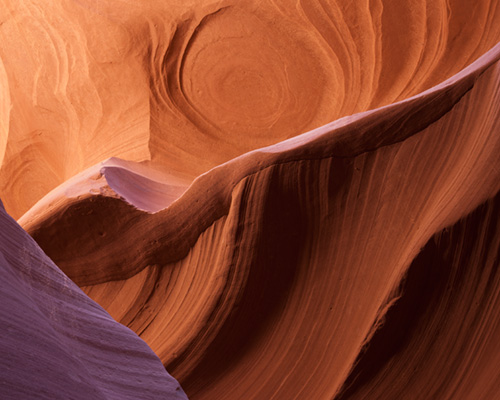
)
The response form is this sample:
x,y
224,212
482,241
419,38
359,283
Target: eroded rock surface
x,y
57,343
284,201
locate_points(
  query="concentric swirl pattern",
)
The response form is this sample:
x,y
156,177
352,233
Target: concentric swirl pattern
x,y
246,75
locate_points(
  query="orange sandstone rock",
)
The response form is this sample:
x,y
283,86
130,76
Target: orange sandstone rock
x,y
297,201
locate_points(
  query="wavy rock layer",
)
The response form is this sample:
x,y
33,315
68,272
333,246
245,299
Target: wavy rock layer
x,y
57,343
270,276
356,260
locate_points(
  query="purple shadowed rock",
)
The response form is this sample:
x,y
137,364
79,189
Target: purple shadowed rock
x,y
59,344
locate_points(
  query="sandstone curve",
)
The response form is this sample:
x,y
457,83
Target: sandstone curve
x,y
297,199
239,269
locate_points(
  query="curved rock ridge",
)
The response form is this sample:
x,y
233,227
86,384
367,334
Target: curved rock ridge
x,y
298,200
57,343
210,196
188,85
281,273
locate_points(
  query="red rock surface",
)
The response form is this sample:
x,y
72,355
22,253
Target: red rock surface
x,y
295,202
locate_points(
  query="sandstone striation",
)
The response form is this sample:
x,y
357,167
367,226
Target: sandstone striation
x,y
283,201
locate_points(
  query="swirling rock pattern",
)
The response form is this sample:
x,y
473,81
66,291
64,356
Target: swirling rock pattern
x,y
189,85
310,202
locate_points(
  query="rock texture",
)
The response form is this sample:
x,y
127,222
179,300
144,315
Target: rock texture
x,y
191,84
296,201
57,343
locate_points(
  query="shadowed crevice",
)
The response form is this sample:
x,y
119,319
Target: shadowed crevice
x,y
445,268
